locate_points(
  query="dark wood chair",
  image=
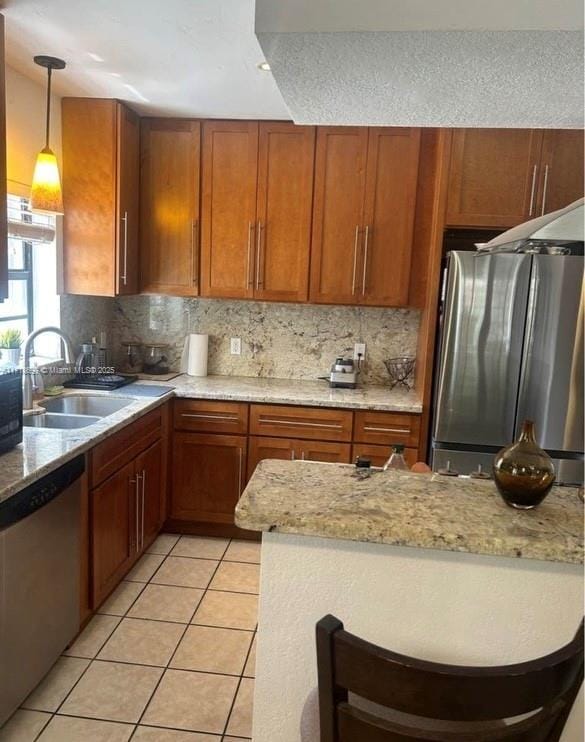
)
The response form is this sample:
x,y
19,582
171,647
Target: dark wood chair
x,y
447,703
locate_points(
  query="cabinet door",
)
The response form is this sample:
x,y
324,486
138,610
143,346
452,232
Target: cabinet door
x,y
114,527
90,225
169,206
284,209
128,214
228,208
335,453
391,179
340,167
561,176
208,476
149,471
492,179
260,448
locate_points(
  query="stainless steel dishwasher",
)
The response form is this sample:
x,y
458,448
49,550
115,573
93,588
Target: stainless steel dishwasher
x,y
39,580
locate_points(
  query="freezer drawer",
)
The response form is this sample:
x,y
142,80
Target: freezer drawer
x,y
481,348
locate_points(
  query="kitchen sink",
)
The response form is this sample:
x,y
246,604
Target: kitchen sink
x,y
62,422
85,404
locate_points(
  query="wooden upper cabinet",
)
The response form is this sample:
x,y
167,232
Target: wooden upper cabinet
x,y
100,193
340,177
390,200
169,223
363,219
3,212
228,208
493,177
561,171
284,210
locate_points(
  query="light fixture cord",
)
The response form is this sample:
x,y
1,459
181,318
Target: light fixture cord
x,y
49,70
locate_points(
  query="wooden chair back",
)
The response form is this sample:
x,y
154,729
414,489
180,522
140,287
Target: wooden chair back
x,y
445,703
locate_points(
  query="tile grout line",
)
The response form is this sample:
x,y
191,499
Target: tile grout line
x,y
165,620
180,638
229,716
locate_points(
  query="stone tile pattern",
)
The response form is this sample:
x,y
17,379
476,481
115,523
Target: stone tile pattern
x,y
285,341
173,661
427,511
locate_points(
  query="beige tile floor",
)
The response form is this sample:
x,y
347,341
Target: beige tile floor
x,y
169,657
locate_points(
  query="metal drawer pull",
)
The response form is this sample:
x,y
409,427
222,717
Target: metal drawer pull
x,y
195,240
365,261
532,191
203,416
125,223
372,429
249,280
544,190
143,500
240,473
268,421
355,246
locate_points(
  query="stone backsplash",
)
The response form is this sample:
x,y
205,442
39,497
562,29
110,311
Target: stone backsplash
x,y
287,341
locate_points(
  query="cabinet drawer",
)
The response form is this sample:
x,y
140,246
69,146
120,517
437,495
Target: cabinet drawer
x,y
210,417
378,455
387,428
311,423
121,447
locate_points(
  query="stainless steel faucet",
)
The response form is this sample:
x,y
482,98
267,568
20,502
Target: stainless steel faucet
x,y
27,387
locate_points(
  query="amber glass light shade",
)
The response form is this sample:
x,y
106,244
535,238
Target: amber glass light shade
x,y
523,472
46,196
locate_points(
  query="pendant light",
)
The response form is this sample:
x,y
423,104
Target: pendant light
x,y
45,195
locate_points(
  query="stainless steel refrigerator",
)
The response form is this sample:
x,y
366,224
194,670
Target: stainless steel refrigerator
x,y
511,348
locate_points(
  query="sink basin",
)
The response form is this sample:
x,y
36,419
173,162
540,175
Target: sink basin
x,y
85,404
62,422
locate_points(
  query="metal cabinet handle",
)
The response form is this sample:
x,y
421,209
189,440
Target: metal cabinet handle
x,y
302,455
241,455
249,279
203,416
532,190
365,260
143,501
136,483
355,248
124,275
258,254
544,190
292,454
373,429
298,423
195,240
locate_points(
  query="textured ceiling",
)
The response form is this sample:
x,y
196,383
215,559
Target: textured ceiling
x,y
418,15
430,78
175,57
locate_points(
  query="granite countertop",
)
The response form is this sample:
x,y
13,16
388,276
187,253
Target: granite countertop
x,y
312,393
43,450
404,509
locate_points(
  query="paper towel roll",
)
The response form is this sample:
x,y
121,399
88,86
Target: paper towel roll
x,y
194,358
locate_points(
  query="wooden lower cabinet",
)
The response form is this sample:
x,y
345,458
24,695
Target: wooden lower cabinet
x,y
113,534
208,476
261,447
149,473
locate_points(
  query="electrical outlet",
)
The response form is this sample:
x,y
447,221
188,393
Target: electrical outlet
x,y
359,352
236,346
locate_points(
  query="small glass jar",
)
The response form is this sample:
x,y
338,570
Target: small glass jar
x,y
132,358
155,358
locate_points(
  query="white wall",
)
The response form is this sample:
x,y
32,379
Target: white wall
x,y
25,128
437,605
25,136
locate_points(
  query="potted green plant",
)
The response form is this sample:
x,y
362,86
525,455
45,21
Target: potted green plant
x,y
10,342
